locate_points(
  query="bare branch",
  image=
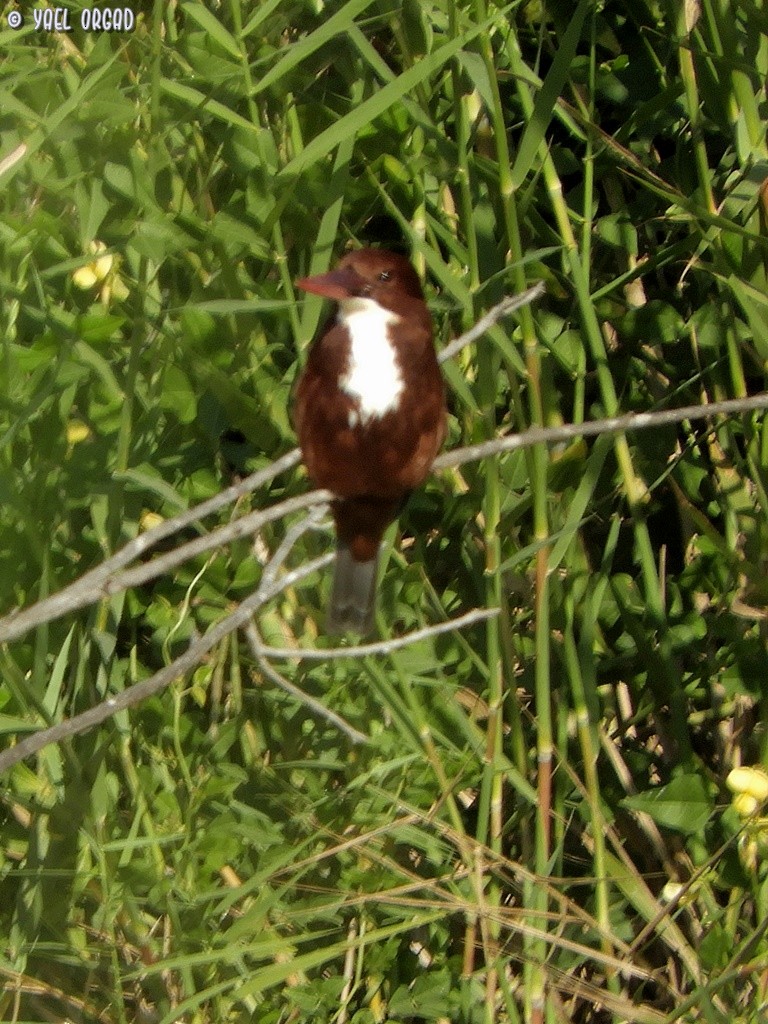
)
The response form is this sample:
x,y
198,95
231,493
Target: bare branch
x,y
259,652
277,560
502,309
112,577
105,579
383,646
13,158
139,692
611,425
133,695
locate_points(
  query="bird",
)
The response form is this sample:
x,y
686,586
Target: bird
x,y
370,414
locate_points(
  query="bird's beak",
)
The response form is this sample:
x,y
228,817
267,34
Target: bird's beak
x,y
336,284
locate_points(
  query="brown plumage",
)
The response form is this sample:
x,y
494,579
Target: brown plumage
x,y
369,412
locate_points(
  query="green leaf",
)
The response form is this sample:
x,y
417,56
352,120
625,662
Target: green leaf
x,y
337,25
120,178
652,323
97,327
358,118
200,102
683,805
213,27
177,394
546,100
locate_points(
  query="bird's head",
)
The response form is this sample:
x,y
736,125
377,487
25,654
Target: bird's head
x,y
385,277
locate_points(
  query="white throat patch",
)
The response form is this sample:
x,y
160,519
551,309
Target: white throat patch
x,y
372,375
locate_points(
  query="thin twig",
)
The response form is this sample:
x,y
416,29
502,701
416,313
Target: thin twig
x,y
611,425
276,562
267,585
382,646
133,695
502,309
13,158
316,707
106,580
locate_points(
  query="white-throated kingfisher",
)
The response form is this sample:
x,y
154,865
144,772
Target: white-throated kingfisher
x,y
370,414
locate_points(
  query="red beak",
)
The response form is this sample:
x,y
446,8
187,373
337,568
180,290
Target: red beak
x,y
337,284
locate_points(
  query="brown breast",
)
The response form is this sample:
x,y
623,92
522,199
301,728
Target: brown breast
x,y
378,455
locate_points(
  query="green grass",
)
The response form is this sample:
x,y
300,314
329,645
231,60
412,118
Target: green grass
x,y
539,828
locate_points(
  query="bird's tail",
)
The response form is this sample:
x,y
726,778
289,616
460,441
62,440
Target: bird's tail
x,y
353,594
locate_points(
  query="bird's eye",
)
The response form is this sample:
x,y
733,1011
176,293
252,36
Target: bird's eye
x,y
385,275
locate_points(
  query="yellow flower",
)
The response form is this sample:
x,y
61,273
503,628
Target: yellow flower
x,y
148,520
77,431
96,271
101,272
672,891
745,805
749,781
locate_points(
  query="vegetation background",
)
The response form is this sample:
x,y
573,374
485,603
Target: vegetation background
x,y
539,827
